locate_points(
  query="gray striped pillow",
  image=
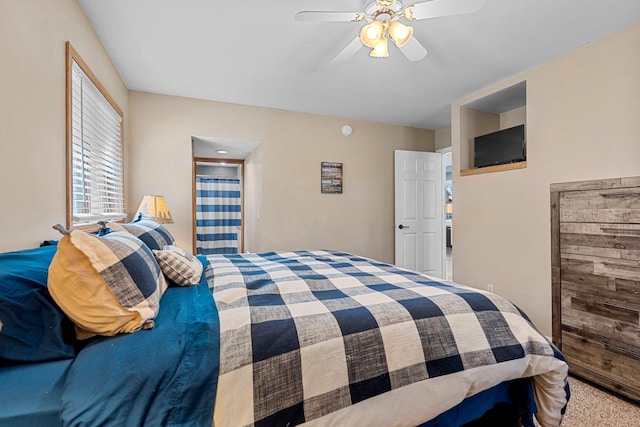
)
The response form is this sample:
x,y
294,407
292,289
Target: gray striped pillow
x,y
179,266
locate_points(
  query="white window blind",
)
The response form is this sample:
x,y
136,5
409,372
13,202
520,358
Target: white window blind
x,y
97,189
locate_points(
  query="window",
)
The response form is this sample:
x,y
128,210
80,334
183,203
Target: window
x,y
95,178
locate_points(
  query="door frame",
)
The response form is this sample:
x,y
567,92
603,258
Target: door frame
x,y
194,195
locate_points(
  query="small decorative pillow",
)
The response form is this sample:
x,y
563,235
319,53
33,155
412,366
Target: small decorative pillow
x,y
106,285
179,266
154,235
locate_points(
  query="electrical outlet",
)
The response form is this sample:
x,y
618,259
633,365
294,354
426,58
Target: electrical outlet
x,y
490,287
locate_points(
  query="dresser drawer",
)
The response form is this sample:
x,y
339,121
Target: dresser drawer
x,y
610,318
614,241
619,205
594,359
601,339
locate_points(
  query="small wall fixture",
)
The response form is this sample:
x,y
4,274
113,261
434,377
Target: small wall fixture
x,y
346,130
155,207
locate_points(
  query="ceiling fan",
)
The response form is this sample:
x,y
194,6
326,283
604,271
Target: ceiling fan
x,y
382,18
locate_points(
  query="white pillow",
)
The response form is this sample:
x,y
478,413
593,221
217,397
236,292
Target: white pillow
x,y
179,266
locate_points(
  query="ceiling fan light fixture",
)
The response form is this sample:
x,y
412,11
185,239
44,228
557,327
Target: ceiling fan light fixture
x,y
371,34
381,49
400,33
382,18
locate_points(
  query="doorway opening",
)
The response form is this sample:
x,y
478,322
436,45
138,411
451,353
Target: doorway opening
x,y
448,211
226,185
218,200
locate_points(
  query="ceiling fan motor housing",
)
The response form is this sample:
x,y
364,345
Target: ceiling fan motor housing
x,y
373,6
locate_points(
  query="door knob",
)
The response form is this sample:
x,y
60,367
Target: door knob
x,y
403,226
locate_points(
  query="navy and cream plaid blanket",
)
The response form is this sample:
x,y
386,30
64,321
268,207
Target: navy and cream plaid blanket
x,y
328,338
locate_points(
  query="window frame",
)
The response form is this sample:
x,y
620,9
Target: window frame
x,y
72,56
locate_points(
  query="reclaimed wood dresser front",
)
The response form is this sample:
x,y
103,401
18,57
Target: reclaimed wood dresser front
x,y
595,250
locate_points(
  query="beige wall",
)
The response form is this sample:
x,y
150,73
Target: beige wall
x,y
253,199
515,117
282,176
443,138
472,123
32,105
583,123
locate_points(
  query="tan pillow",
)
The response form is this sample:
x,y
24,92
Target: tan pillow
x,y
179,266
106,285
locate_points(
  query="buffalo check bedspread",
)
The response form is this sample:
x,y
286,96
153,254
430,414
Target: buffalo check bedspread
x,y
328,338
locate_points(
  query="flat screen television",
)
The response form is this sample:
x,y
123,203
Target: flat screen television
x,y
499,148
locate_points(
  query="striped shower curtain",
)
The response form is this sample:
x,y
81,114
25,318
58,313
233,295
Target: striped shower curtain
x,y
218,215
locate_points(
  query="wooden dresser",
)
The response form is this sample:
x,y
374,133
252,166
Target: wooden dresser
x,y
595,251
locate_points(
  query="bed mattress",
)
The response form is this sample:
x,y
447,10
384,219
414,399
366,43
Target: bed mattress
x,y
31,394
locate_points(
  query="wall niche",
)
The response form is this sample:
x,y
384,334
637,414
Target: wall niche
x,y
497,111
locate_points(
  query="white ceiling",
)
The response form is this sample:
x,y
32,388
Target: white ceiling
x,y
208,147
253,52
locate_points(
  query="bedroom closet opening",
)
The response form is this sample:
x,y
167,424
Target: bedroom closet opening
x,y
218,206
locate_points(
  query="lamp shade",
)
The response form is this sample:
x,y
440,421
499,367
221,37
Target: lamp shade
x,y
371,33
155,207
381,49
400,33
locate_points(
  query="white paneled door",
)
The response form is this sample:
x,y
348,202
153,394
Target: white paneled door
x,y
419,212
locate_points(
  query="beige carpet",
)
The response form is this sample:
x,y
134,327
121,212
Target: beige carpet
x,y
591,406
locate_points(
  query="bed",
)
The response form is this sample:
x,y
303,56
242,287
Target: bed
x,y
329,338
310,337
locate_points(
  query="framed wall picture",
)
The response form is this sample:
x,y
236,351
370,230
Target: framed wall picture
x,y
331,177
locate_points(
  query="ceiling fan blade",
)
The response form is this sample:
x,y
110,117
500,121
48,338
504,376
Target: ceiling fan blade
x,y
437,8
329,16
413,50
348,52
